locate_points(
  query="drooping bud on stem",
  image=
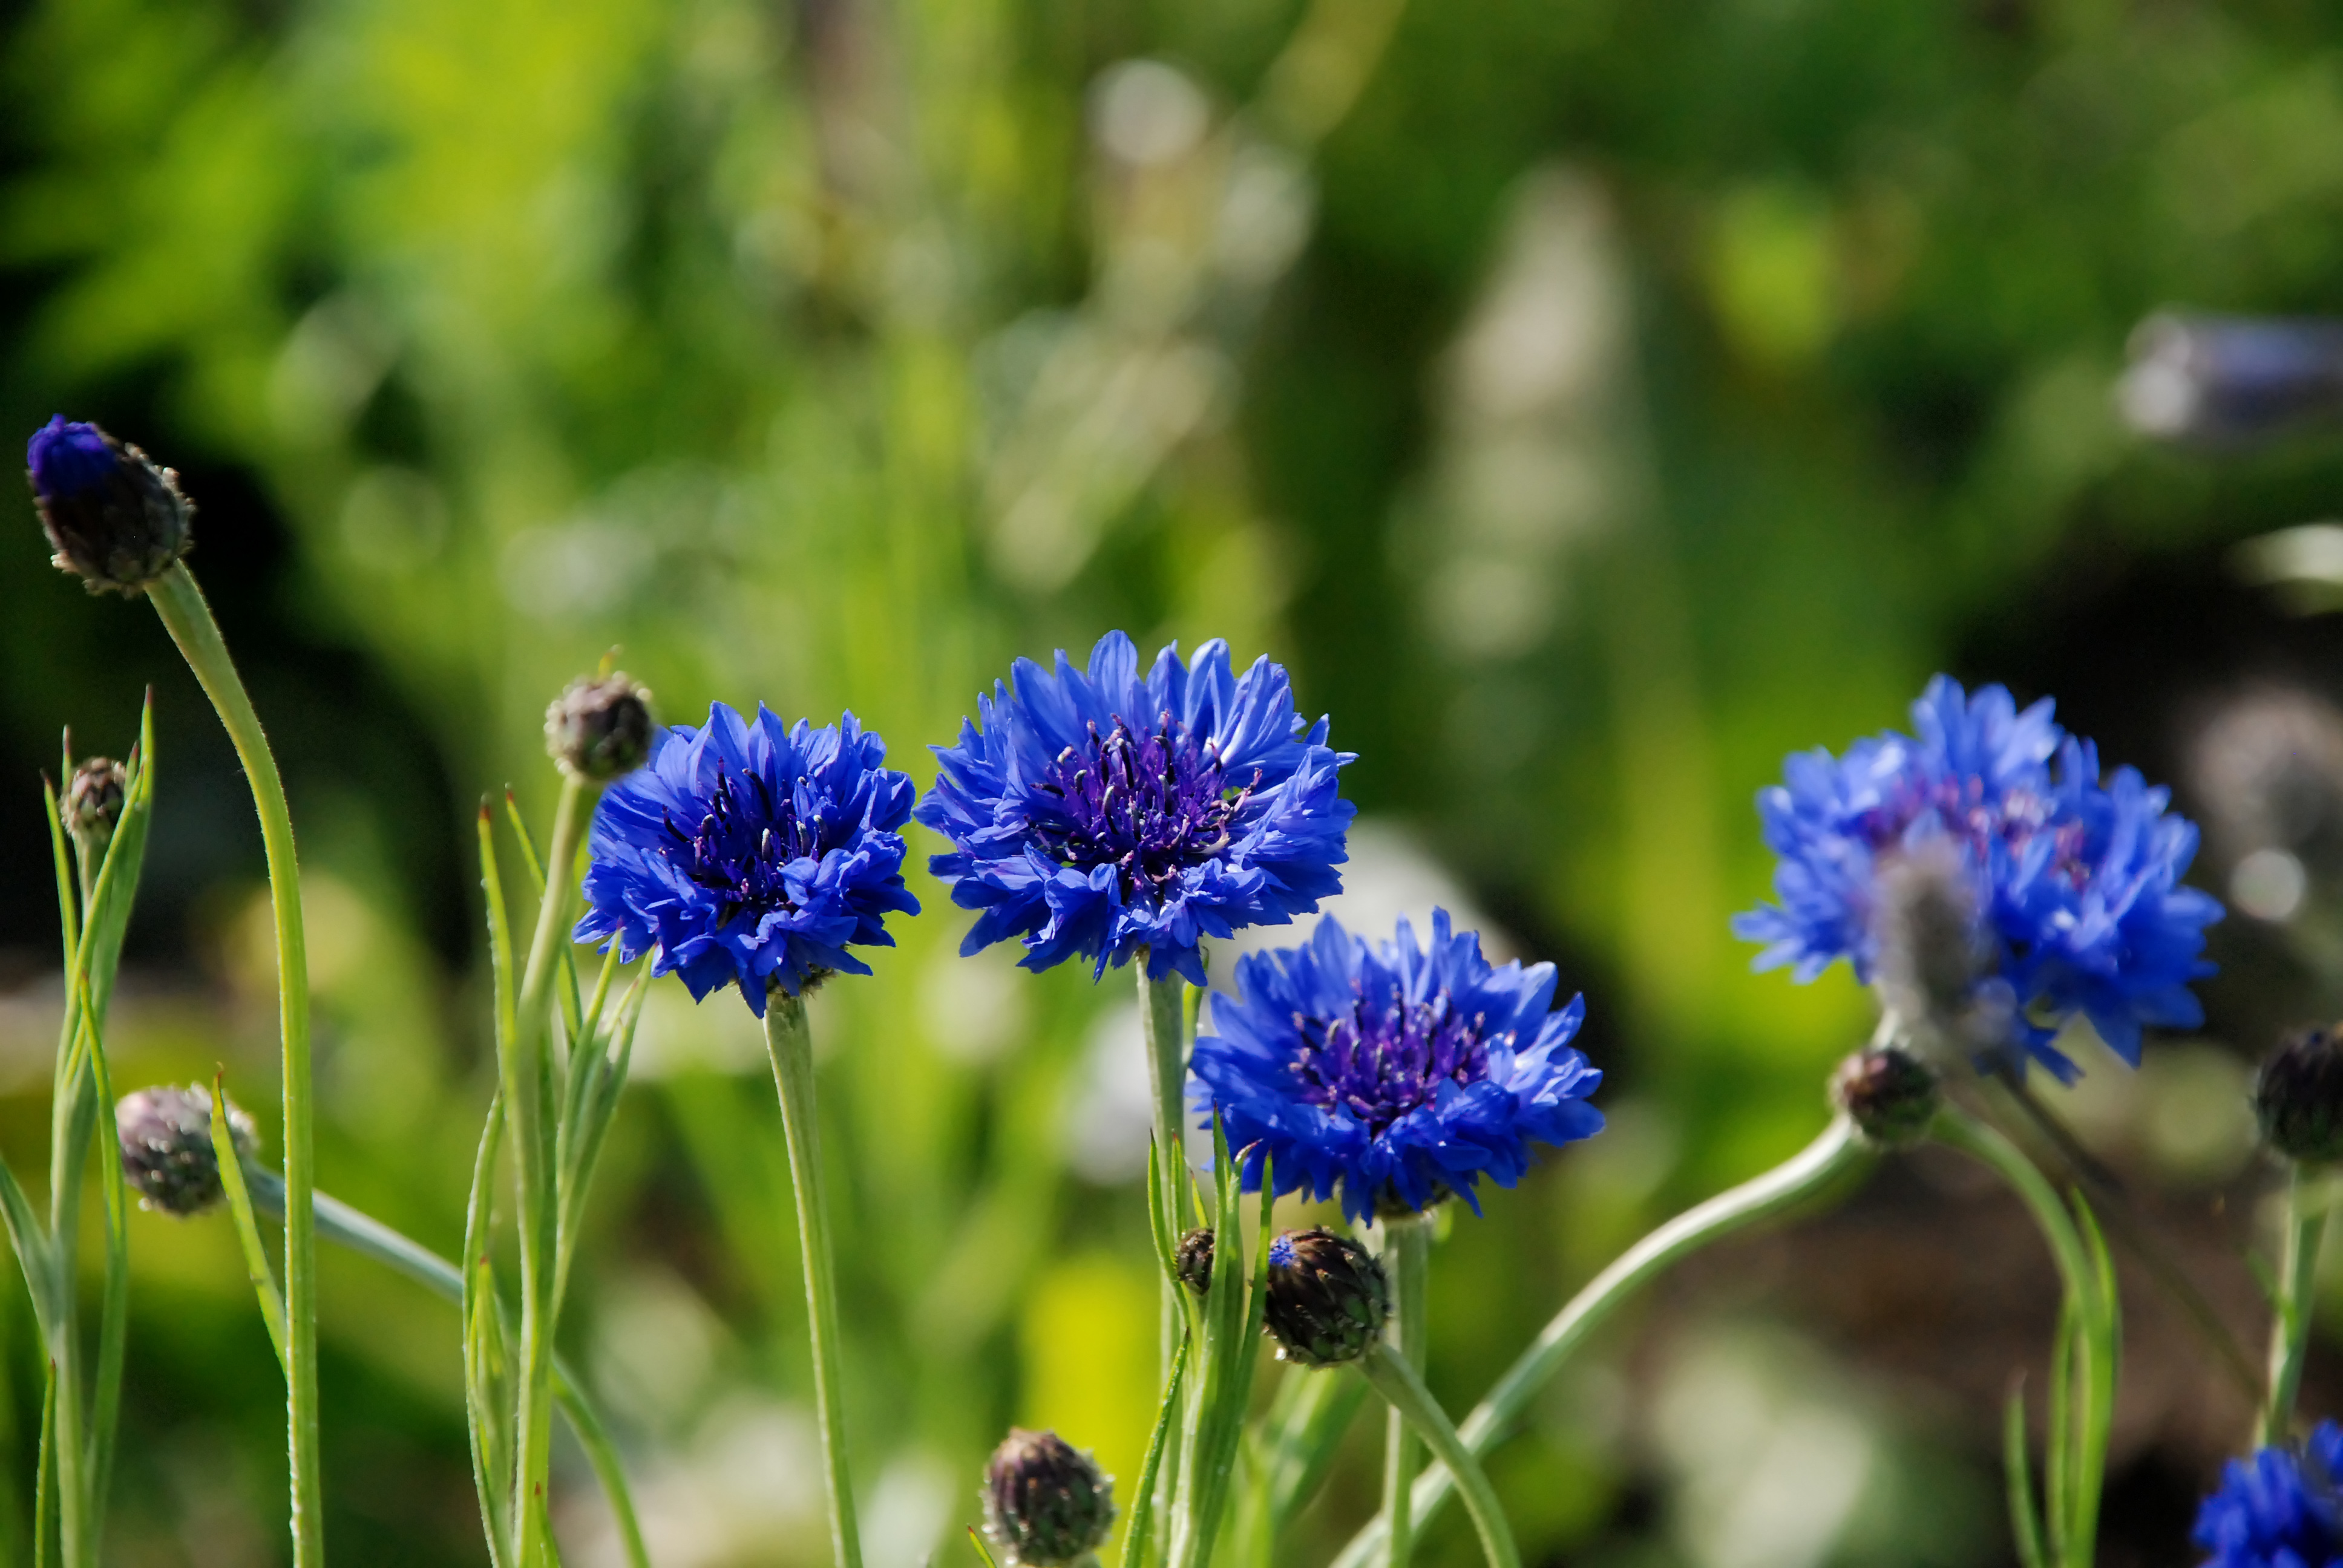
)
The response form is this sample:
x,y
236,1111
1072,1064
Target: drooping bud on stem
x,y
165,1134
113,519
1193,1260
92,805
2299,1097
601,727
1328,1298
1047,1504
1887,1092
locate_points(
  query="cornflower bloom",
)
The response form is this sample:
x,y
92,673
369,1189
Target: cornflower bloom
x,y
1396,1073
2278,1509
1098,811
2072,884
755,854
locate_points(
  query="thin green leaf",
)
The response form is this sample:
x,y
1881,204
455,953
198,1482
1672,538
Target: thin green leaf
x,y
1158,1224
2103,1331
247,1224
44,1477
567,952
32,1248
2025,1522
484,1356
501,956
114,1308
1142,1507
976,1540
68,902
2059,1451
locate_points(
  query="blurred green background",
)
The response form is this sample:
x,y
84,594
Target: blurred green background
x,y
1588,400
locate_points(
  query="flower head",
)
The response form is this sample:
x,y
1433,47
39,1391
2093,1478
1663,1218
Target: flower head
x,y
2298,1096
2278,1509
2073,884
1047,1503
166,1142
1327,1298
1398,1073
752,853
1101,811
599,727
113,519
93,802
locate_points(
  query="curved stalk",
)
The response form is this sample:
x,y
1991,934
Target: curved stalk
x,y
790,1044
180,603
2298,1274
1838,1150
1397,1381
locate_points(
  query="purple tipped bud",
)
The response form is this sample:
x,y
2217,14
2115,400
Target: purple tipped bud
x,y
600,727
113,519
2299,1097
1328,1298
1193,1261
1887,1092
1047,1504
165,1134
93,804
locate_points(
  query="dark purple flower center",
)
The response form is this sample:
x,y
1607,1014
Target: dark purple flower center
x,y
66,458
1980,818
740,849
1381,1062
1148,805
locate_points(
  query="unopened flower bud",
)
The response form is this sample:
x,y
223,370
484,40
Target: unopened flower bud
x,y
1889,1093
166,1135
1046,1503
93,803
1328,1298
1193,1261
601,727
2299,1097
113,517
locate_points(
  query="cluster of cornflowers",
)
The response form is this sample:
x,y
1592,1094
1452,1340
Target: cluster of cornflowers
x,y
1997,891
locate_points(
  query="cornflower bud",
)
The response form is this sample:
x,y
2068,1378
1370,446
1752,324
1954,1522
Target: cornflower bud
x,y
1889,1093
2299,1097
1047,1504
165,1134
599,727
1194,1263
1328,1298
92,805
113,519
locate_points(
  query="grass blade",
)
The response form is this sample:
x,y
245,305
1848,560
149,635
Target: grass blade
x,y
2025,1522
247,1225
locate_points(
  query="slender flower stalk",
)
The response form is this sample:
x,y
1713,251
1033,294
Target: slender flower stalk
x,y
2307,1201
1839,1151
188,618
1162,1019
1402,1388
790,1043
1407,1259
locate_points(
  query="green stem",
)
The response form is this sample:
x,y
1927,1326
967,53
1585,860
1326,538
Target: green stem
x,y
529,1098
1162,1021
188,618
2079,1454
1407,1259
1837,1151
790,1044
363,1234
2297,1275
1399,1383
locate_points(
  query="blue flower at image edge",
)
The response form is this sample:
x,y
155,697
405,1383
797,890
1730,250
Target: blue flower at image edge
x,y
752,854
1397,1073
1095,812
2076,881
2278,1509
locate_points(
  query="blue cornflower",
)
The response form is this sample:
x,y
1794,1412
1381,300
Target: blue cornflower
x,y
751,853
113,519
1098,812
2278,1509
2073,885
1398,1073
